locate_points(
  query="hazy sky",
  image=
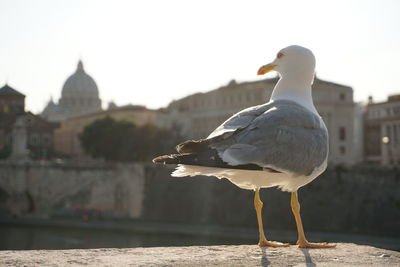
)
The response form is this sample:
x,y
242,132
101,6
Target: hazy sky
x,y
151,52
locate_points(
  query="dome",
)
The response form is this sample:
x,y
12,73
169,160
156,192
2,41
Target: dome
x,y
51,107
53,112
80,85
79,94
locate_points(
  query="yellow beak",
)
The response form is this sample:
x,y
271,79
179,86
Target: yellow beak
x,y
266,68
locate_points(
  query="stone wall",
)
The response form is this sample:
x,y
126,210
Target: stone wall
x,y
359,200
42,190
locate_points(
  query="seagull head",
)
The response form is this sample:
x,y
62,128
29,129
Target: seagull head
x,y
292,61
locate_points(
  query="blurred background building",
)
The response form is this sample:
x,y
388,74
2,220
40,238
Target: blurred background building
x,y
199,114
79,96
39,131
66,137
382,131
357,133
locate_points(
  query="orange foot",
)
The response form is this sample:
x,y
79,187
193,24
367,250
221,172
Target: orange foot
x,y
265,243
306,244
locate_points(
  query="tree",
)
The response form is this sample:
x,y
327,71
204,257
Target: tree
x,y
124,141
5,152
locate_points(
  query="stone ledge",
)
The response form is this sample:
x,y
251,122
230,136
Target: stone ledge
x,y
345,254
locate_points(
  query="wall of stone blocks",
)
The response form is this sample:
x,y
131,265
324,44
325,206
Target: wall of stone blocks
x,y
363,199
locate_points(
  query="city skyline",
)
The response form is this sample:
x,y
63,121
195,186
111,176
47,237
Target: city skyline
x,y
152,53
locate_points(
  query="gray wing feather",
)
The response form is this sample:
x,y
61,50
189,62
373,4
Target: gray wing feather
x,y
281,135
240,120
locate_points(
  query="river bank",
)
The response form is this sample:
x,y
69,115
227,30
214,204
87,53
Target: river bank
x,y
36,233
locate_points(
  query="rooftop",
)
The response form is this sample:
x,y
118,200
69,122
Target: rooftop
x,y
8,90
393,98
269,81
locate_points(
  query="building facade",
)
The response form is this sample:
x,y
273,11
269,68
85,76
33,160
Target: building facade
x,y
199,114
12,104
382,131
79,96
66,137
39,132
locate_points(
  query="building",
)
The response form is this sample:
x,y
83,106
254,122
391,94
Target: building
x,y
39,132
199,114
67,136
382,131
12,104
79,96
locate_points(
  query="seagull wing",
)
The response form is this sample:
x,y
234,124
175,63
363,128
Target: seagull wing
x,y
240,120
280,135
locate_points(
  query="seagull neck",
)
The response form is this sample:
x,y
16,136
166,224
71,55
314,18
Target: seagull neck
x,y
296,89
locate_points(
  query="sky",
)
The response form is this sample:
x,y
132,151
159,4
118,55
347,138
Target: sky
x,y
152,52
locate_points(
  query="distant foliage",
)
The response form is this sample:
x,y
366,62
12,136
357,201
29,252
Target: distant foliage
x,y
5,152
114,140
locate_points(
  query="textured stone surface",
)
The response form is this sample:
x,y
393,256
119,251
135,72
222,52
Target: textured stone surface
x,y
147,192
248,255
39,190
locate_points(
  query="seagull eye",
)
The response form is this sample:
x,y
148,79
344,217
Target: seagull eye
x,y
280,55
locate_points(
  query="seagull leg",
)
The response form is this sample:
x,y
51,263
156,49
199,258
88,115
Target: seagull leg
x,y
302,241
263,241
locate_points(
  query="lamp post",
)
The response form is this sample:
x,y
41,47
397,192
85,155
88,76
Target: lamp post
x,y
391,152
386,154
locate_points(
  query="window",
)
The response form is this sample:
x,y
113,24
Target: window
x,y
342,150
342,133
46,139
29,121
389,131
20,108
34,139
342,96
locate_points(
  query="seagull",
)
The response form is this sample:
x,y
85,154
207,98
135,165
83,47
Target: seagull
x,y
282,143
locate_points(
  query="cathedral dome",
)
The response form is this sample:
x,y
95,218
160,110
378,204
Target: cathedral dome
x,y
80,85
79,94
